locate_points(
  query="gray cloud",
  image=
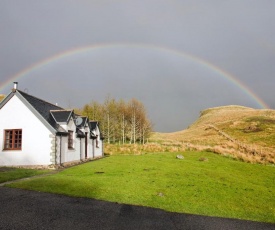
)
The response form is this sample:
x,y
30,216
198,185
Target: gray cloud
x,y
236,36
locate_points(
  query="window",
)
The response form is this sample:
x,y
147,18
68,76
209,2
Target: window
x,y
71,140
13,139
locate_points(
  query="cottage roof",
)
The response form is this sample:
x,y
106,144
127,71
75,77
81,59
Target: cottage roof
x,y
62,115
93,124
43,108
80,133
49,114
84,121
39,107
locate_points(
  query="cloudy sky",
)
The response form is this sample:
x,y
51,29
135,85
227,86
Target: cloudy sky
x,y
176,56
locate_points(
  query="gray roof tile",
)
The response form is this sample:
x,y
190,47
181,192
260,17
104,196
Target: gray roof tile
x,y
43,108
62,115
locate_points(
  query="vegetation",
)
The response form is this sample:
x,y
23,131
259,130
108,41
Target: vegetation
x,y
201,183
120,121
10,174
2,97
137,149
240,132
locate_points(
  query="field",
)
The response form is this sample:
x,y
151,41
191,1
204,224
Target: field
x,y
201,183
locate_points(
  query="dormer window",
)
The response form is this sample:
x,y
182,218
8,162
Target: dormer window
x,y
71,140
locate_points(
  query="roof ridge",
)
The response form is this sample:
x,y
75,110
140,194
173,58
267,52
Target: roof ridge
x,y
21,92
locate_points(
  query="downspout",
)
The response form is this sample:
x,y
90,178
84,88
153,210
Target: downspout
x,y
55,150
80,149
60,149
102,146
93,148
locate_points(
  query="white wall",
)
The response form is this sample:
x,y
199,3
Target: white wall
x,y
90,147
82,148
72,154
36,138
98,150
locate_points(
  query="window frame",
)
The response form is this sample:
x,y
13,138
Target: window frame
x,y
70,139
13,139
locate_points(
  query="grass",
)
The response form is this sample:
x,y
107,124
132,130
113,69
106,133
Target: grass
x,y
10,174
251,132
214,186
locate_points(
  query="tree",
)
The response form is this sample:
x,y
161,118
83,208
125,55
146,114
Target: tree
x,y
120,121
123,119
96,111
140,124
110,118
146,129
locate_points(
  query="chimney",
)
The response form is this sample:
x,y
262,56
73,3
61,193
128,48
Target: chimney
x,y
15,86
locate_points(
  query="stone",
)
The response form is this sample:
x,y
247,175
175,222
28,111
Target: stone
x,y
180,157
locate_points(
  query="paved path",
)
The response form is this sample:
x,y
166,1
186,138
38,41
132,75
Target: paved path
x,y
22,209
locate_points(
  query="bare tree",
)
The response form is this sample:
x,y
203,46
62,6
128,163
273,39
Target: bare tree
x,y
138,116
123,113
120,121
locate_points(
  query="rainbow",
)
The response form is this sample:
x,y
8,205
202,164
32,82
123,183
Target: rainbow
x,y
80,50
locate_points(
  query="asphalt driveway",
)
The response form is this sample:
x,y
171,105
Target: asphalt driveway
x,y
21,209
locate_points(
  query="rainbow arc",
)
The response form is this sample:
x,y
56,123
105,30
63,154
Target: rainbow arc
x,y
80,50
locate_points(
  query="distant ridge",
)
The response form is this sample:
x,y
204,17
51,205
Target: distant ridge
x,y
2,96
240,132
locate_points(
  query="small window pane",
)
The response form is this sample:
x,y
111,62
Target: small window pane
x,y
13,139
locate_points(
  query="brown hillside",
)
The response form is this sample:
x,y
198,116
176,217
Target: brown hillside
x,y
2,97
244,133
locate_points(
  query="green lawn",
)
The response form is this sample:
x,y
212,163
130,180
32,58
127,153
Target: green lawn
x,y
10,174
217,187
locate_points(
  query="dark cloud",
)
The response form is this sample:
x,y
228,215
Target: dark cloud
x,y
236,36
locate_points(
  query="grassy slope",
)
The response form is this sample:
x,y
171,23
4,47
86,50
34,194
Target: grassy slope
x,y
9,174
251,127
217,187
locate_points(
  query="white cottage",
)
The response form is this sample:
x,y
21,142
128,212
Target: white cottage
x,y
34,132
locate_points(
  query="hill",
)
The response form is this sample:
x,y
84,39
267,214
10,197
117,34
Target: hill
x,y
235,131
2,96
